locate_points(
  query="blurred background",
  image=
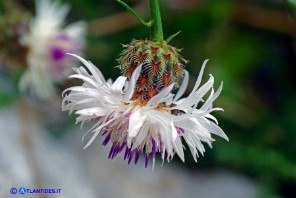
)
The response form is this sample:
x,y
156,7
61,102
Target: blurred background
x,y
251,47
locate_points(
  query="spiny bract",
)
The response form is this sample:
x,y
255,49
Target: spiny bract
x,y
161,64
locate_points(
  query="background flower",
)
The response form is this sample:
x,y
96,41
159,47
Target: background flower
x,y
47,42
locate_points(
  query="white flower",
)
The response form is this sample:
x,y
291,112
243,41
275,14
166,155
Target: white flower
x,y
47,42
149,127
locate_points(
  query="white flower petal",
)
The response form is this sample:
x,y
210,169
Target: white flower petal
x,y
97,111
50,13
199,78
183,87
129,92
118,86
155,100
76,30
85,79
178,146
212,98
97,131
174,131
141,137
93,69
217,130
136,121
196,96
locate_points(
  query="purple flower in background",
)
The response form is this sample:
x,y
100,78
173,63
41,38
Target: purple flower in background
x,y
57,53
48,42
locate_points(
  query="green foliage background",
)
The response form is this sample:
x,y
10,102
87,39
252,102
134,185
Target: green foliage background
x,y
256,64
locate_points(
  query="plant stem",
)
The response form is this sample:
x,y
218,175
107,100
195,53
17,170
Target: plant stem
x,y
155,23
147,24
156,28
27,138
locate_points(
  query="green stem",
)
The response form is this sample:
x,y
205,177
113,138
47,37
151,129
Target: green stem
x,y
147,24
155,22
156,28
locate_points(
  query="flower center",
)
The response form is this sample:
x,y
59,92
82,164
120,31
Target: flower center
x,y
57,53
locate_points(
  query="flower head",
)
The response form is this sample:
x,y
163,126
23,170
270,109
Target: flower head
x,y
162,65
48,42
135,125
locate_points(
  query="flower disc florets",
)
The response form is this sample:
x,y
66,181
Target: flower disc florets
x,y
161,63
